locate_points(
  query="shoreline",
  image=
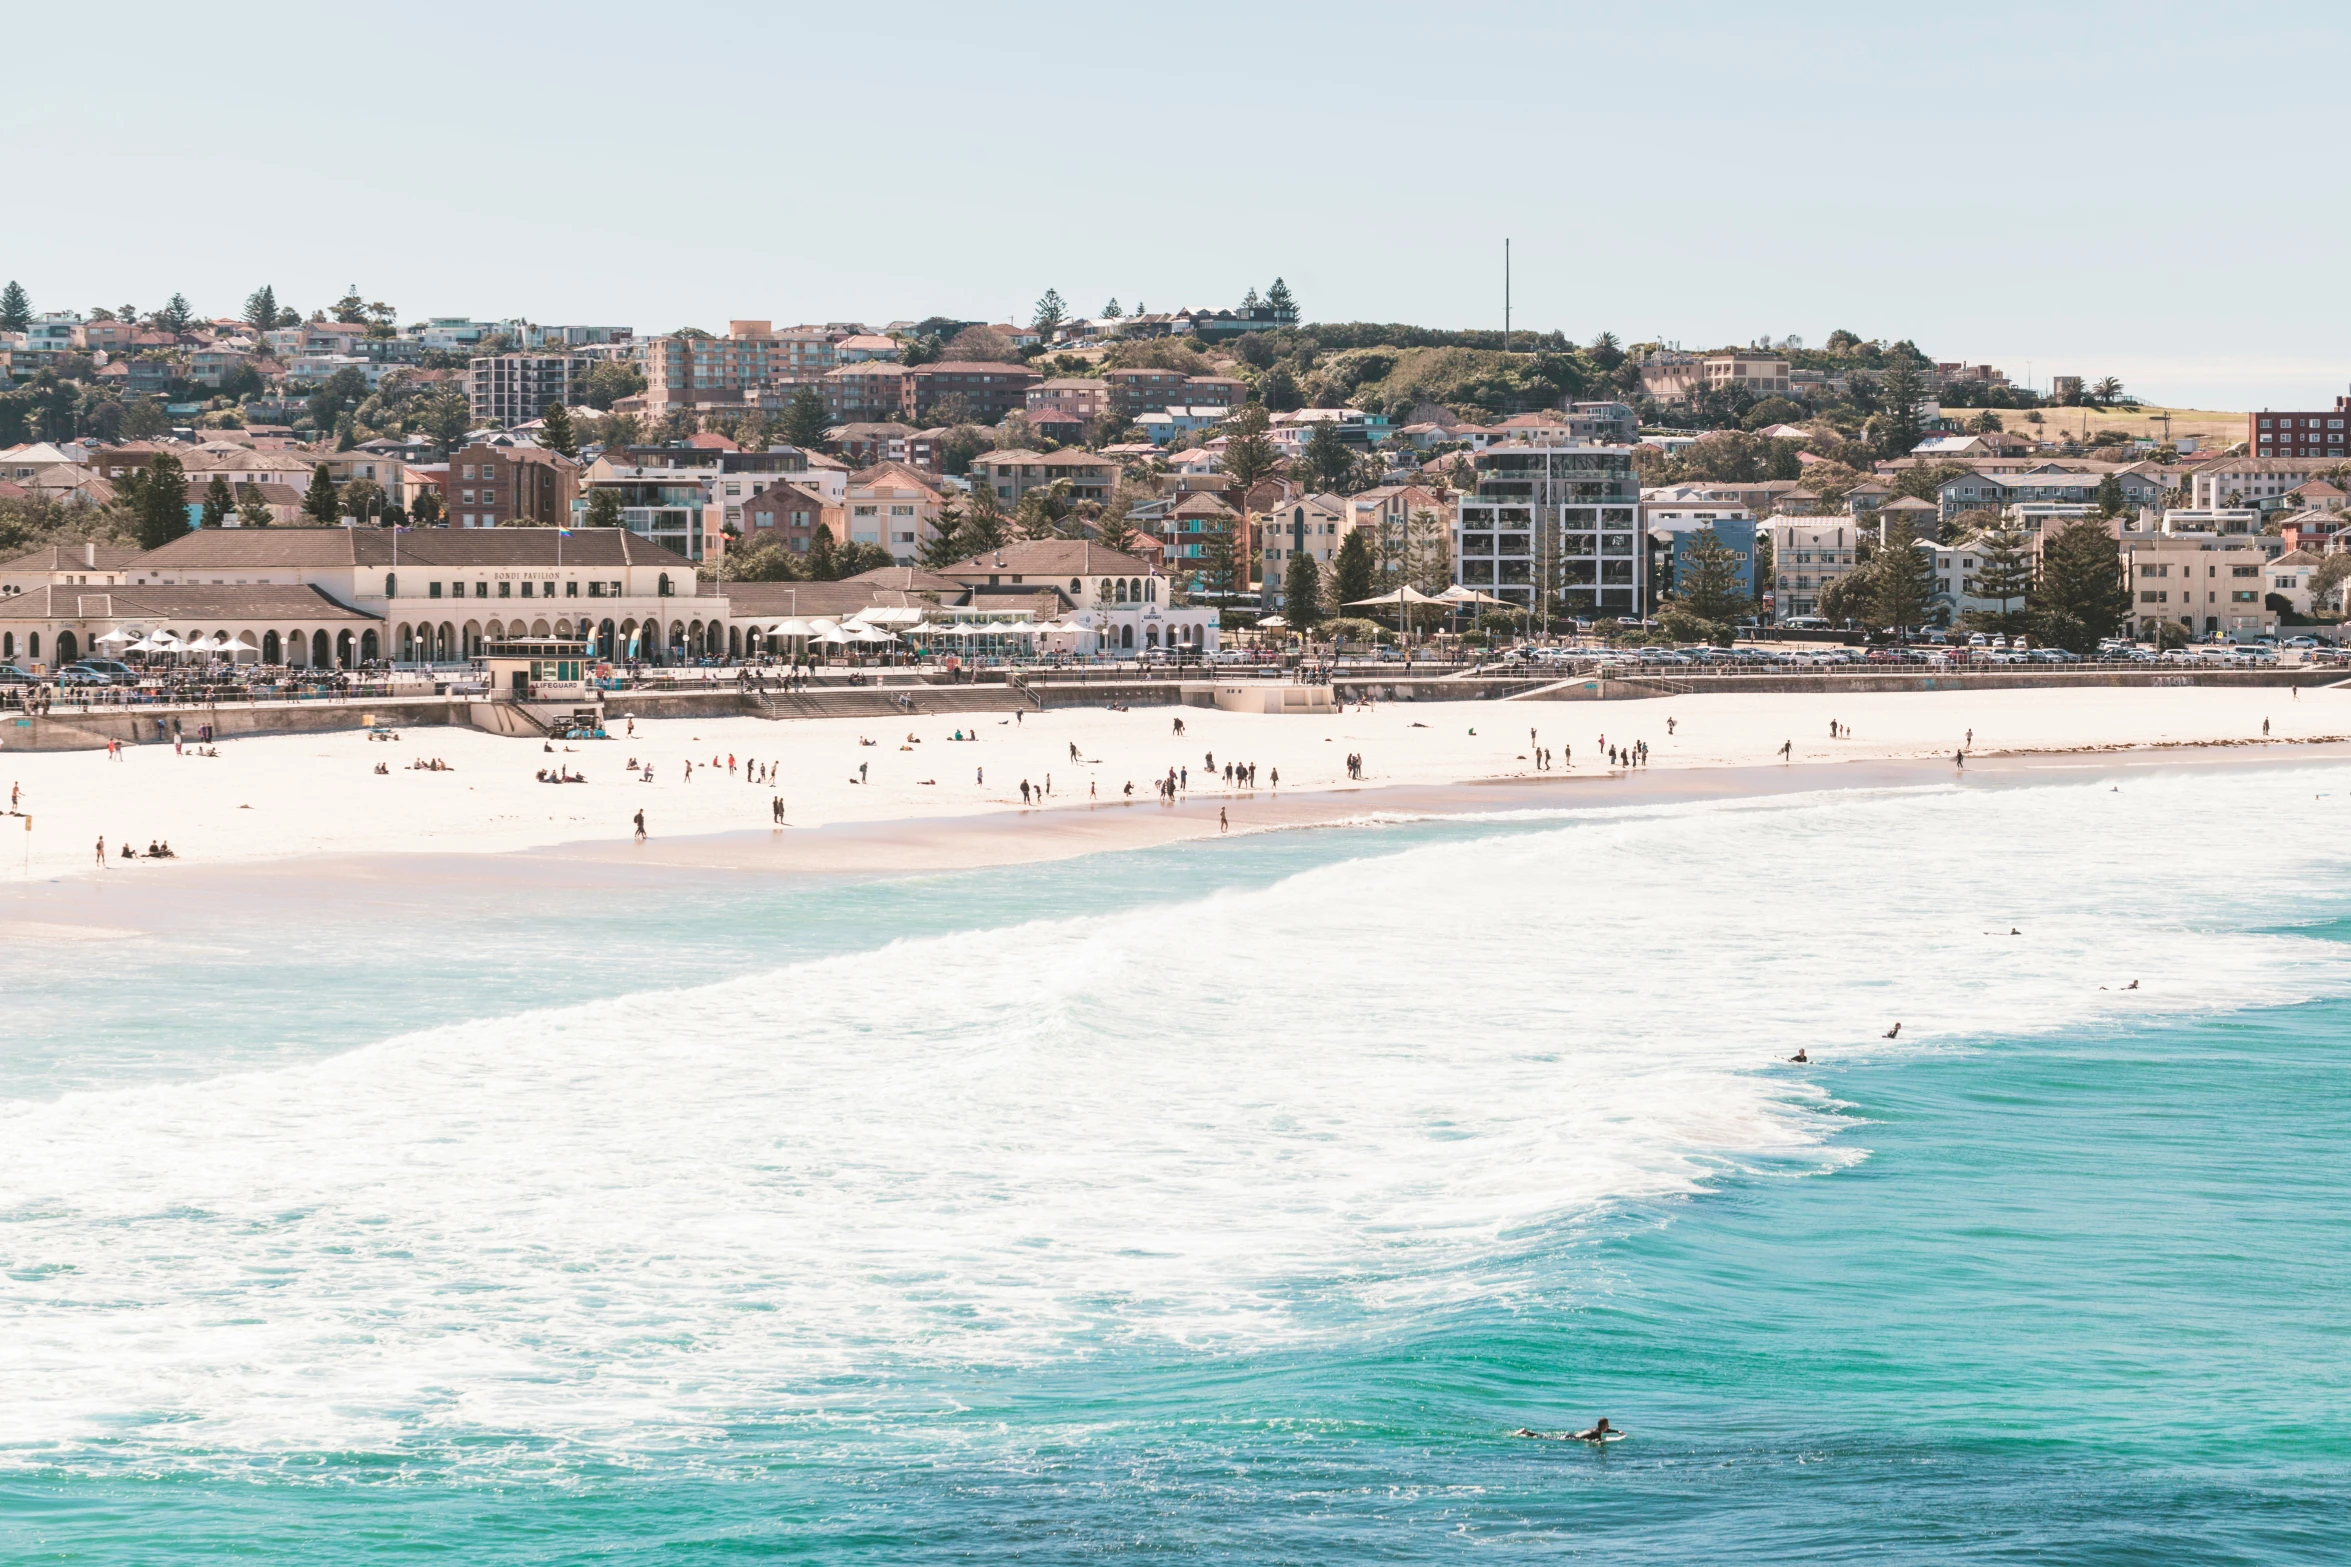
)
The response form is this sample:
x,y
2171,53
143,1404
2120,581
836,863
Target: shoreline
x,y
86,908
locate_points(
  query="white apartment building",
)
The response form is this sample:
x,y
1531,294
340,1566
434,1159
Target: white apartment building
x,y
2232,483
1807,554
2212,584
1565,516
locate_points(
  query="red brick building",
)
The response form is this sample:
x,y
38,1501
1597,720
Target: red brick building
x,y
2299,434
992,390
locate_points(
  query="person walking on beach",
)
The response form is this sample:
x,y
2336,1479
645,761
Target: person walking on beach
x,y
775,808
2265,729
1971,739
640,826
1786,746
1959,760
1222,825
102,851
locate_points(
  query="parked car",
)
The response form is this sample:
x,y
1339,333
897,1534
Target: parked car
x,y
117,673
11,675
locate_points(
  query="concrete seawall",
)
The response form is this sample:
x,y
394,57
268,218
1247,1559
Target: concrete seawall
x,y
88,731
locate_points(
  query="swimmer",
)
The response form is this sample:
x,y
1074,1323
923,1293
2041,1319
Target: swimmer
x,y
1800,1058
1891,1032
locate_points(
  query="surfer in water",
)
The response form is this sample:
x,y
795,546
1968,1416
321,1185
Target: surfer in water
x,y
1602,1432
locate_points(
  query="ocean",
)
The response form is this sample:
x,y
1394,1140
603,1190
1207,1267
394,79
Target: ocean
x,y
1233,1202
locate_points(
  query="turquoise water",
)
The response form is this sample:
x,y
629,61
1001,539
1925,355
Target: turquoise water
x,y
1230,1203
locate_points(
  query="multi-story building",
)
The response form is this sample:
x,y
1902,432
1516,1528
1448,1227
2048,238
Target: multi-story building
x,y
989,390
501,483
2214,584
512,389
744,368
2264,483
868,392
1807,554
1677,529
2270,434
1671,376
1013,474
1554,525
1084,395
866,443
1134,392
894,506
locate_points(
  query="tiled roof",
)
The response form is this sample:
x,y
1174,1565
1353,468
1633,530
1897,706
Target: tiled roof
x,y
159,604
263,548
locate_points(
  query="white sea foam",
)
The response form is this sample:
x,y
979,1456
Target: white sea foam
x,y
1235,1120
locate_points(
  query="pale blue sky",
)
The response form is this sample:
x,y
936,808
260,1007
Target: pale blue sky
x,y
2141,190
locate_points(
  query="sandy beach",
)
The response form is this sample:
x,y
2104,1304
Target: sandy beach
x,y
897,793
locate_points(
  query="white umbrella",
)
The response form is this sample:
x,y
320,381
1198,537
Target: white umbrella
x,y
117,635
1460,594
165,642
1271,621
1399,596
857,633
236,645
795,627
833,636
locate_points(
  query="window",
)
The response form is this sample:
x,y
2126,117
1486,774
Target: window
x,y
2243,596
481,590
571,590
506,590
595,590
432,590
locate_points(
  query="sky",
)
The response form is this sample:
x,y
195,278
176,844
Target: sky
x,y
2146,191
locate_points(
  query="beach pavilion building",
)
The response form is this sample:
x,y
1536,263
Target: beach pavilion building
x,y
439,594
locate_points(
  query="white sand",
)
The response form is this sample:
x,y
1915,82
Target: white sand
x,y
305,795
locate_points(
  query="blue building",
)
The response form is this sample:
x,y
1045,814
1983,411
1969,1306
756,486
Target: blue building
x,y
1674,530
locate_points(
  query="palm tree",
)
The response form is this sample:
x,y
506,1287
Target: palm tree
x,y
2106,391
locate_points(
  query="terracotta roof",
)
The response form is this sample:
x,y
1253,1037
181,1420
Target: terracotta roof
x,y
263,548
72,557
158,604
1048,558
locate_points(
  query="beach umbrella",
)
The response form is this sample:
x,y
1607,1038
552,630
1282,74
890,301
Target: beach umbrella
x,y
1404,595
833,636
235,645
118,635
165,642
795,627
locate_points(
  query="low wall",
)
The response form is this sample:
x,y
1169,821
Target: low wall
x,y
90,731
1628,687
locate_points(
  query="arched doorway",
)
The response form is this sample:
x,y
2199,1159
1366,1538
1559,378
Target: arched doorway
x,y
67,648
33,642
370,649
7,644
538,628
343,650
318,649
735,643
605,645
470,645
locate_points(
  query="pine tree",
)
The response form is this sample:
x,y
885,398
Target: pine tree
x,y
428,507
1283,302
1302,591
558,435
604,508
983,524
320,503
253,511
261,309
822,566
1902,396
156,497
1326,460
2006,575
1111,312
176,315
1050,312
805,419
16,311
217,504
1354,568
1903,579
2110,499
1249,453
2080,597
1706,582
